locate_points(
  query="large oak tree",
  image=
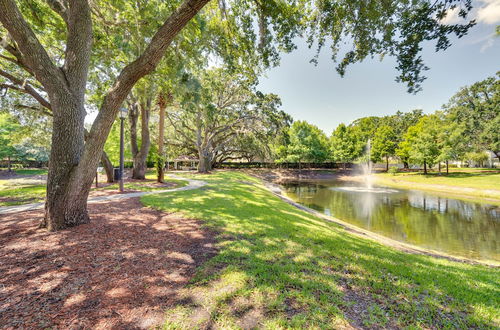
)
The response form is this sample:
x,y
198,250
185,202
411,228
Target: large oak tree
x,y
216,110
73,160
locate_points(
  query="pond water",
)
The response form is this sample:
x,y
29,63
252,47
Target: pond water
x,y
423,219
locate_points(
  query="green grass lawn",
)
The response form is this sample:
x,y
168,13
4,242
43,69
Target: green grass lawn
x,y
31,171
146,186
21,195
483,182
18,194
279,267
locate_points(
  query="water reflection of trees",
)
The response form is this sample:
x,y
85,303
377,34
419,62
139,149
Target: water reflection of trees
x,y
449,225
456,207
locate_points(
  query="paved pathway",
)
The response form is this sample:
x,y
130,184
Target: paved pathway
x,y
192,184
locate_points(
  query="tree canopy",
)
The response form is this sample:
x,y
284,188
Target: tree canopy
x,y
218,110
343,144
307,143
476,107
384,144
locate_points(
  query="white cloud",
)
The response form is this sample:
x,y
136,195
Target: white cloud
x,y
452,17
487,45
480,39
489,12
485,41
484,11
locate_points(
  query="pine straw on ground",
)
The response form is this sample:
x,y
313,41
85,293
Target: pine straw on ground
x,y
120,271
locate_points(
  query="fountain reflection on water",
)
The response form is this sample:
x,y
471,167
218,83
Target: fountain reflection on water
x,y
367,166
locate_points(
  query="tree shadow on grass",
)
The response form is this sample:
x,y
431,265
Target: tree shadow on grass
x,y
281,267
119,271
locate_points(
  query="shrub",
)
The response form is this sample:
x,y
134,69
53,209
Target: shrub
x,y
393,170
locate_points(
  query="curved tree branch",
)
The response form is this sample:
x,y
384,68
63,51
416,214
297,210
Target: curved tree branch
x,y
25,88
142,66
33,54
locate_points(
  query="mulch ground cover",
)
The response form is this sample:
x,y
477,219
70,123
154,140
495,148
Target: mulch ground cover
x,y
120,271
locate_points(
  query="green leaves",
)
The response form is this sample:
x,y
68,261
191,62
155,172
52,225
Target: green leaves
x,y
384,143
422,140
8,128
343,144
307,143
23,141
491,135
222,116
476,107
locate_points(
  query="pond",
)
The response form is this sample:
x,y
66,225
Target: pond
x,y
423,219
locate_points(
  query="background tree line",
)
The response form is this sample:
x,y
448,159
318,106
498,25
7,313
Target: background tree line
x,y
464,129
217,116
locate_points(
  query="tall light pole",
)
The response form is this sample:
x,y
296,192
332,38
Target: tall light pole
x,y
123,115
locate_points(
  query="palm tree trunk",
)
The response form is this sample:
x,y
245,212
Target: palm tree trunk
x,y
161,139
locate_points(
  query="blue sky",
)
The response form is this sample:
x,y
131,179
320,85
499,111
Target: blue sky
x,y
320,96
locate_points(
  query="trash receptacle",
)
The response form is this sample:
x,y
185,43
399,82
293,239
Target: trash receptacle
x,y
116,173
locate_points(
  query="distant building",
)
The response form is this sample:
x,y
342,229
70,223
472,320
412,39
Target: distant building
x,y
185,162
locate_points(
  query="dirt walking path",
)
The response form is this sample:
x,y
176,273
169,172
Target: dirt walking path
x,y
192,184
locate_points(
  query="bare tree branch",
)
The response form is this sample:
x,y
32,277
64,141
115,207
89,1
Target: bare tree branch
x,y
179,131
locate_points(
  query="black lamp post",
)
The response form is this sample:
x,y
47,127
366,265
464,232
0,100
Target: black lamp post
x,y
123,115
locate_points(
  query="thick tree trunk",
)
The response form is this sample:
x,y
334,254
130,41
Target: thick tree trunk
x,y
9,165
67,187
140,167
425,167
205,164
108,167
387,163
140,154
447,171
406,165
439,167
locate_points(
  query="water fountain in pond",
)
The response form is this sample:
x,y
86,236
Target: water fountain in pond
x,y
366,167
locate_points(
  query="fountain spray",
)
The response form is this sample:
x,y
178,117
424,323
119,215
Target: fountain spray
x,y
367,166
